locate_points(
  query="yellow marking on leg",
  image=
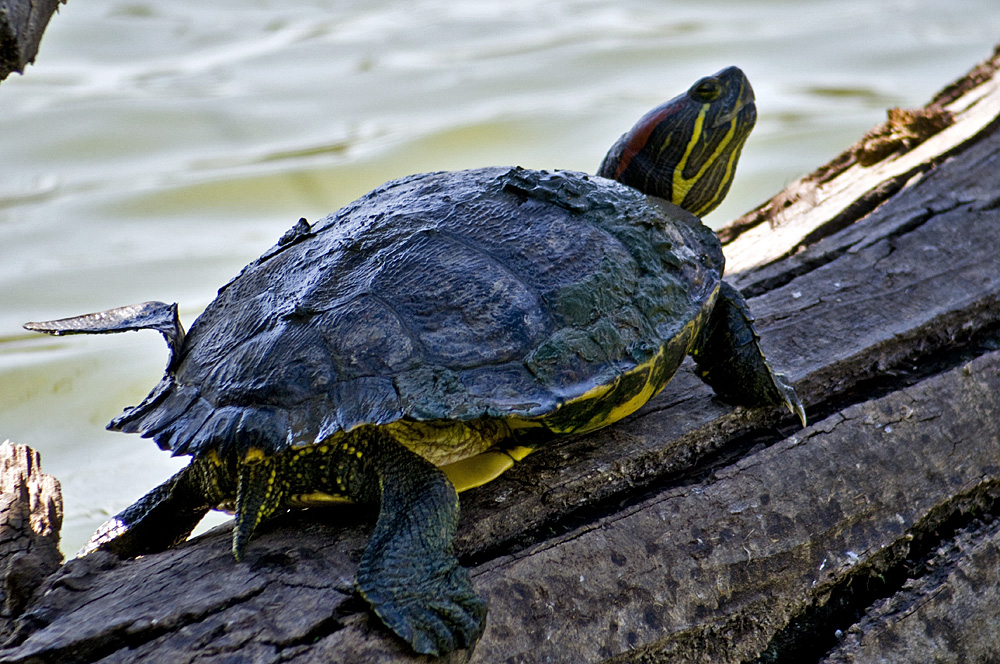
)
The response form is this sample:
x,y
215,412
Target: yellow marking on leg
x,y
483,468
315,499
257,497
253,455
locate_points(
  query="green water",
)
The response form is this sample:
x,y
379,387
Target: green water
x,y
155,148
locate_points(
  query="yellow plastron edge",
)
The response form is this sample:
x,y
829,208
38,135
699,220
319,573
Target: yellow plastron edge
x,y
483,468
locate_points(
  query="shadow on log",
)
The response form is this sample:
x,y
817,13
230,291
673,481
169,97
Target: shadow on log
x,y
692,532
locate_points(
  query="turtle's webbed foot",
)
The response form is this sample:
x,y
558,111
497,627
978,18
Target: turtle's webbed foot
x,y
440,615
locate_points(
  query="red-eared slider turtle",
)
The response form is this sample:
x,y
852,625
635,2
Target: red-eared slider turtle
x,y
439,327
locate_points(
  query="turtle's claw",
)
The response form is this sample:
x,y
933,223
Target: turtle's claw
x,y
454,627
464,618
797,409
791,399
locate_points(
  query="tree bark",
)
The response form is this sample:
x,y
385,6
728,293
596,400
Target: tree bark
x,y
693,531
22,23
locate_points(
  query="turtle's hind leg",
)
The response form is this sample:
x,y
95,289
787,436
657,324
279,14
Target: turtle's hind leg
x,y
729,358
163,517
409,573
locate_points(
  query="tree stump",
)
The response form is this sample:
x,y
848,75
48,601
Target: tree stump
x,y
692,531
30,518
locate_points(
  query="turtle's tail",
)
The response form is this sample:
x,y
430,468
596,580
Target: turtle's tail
x,y
157,316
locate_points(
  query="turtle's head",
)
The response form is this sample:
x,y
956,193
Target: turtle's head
x,y
686,150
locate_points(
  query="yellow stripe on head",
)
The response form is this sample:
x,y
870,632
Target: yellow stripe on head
x,y
705,192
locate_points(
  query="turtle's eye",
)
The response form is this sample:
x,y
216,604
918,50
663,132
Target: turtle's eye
x,y
706,90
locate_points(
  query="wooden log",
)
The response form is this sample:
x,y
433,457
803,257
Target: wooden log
x,y
692,531
30,518
948,613
22,23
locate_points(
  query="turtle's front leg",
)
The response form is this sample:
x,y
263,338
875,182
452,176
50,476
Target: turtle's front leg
x,y
729,358
409,573
163,517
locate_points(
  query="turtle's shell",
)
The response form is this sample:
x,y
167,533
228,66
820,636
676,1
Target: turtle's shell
x,y
489,293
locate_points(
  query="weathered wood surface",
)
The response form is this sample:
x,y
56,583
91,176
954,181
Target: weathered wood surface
x,y
692,531
953,604
22,23
30,519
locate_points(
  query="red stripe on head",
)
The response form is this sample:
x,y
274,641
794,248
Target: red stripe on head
x,y
638,136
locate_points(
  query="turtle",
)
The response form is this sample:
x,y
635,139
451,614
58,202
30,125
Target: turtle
x,y
424,338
